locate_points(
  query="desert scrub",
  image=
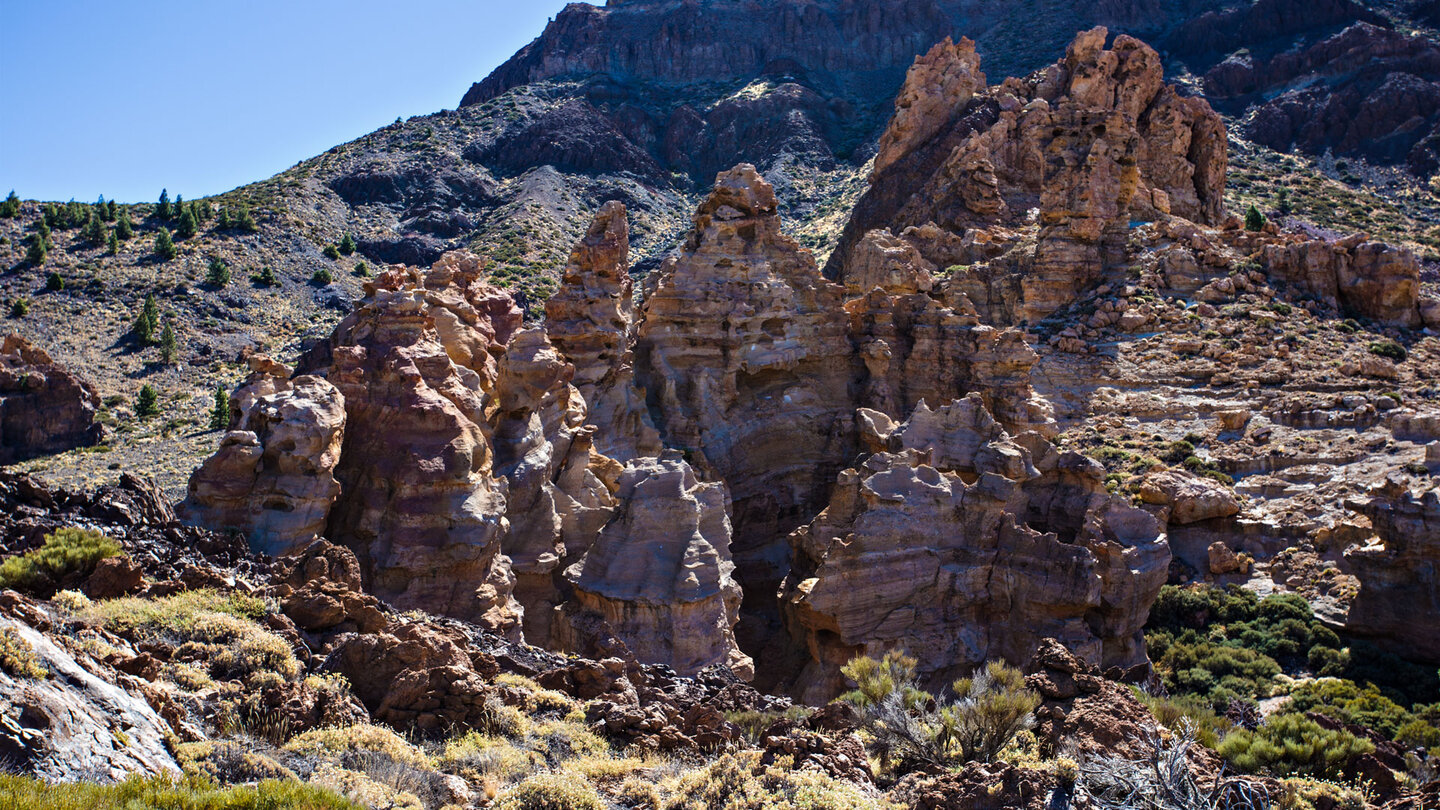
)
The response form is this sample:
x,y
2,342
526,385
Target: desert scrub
x,y
17,657
537,700
337,743
363,789
228,762
1181,711
218,633
1292,745
913,728
1389,349
551,791
738,782
481,759
25,793
66,552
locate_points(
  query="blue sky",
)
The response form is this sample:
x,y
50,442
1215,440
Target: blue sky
x,y
201,96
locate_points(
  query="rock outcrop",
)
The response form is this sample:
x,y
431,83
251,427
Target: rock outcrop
x,y
962,544
591,321
1399,599
273,478
1078,149
659,574
44,408
743,354
1360,278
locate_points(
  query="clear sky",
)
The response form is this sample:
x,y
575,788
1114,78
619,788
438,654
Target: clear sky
x,y
201,96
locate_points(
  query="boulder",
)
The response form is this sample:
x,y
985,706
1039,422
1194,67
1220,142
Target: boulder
x,y
44,408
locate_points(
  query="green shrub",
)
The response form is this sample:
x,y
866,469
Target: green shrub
x,y
66,551
347,245
362,269
162,208
20,307
1177,452
167,344
322,277
124,228
914,728
264,278
738,782
186,227
331,252
11,207
1177,711
36,254
164,792
1292,745
1389,349
1254,220
146,322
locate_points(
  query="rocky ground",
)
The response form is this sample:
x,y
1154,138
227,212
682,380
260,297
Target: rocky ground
x,y
671,514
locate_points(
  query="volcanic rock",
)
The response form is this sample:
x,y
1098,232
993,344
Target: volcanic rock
x,y
44,408
1399,599
659,575
273,477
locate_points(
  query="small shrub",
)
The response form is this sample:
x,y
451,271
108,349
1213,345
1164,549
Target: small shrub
x,y
36,254
167,344
54,283
736,781
551,791
220,409
11,207
322,277
362,269
163,791
1389,349
347,245
1254,220
20,307
264,278
146,322
1177,452
17,657
331,252
1292,745
65,552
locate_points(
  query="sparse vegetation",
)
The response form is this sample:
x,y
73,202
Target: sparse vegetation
x,y
17,657
322,277
147,402
217,272
66,552
192,793
1292,745
1389,349
165,245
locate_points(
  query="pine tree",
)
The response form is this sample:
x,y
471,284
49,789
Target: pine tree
x,y
1254,220
113,244
264,278
162,208
246,222
347,245
37,251
95,230
110,211
165,245
11,207
42,230
186,228
148,402
167,345
54,283
124,228
220,411
331,252
218,273
207,211
222,222
147,322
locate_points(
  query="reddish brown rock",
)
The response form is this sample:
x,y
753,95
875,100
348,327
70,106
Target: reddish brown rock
x,y
44,408
1366,279
1399,599
591,321
420,502
742,350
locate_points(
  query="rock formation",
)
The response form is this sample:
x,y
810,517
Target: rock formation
x,y
961,545
743,355
273,478
1357,277
591,321
1399,569
1078,149
659,574
557,501
44,408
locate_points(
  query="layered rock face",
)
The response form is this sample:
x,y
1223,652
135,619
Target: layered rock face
x,y
960,544
44,408
743,354
659,574
273,478
1078,149
1399,569
591,321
